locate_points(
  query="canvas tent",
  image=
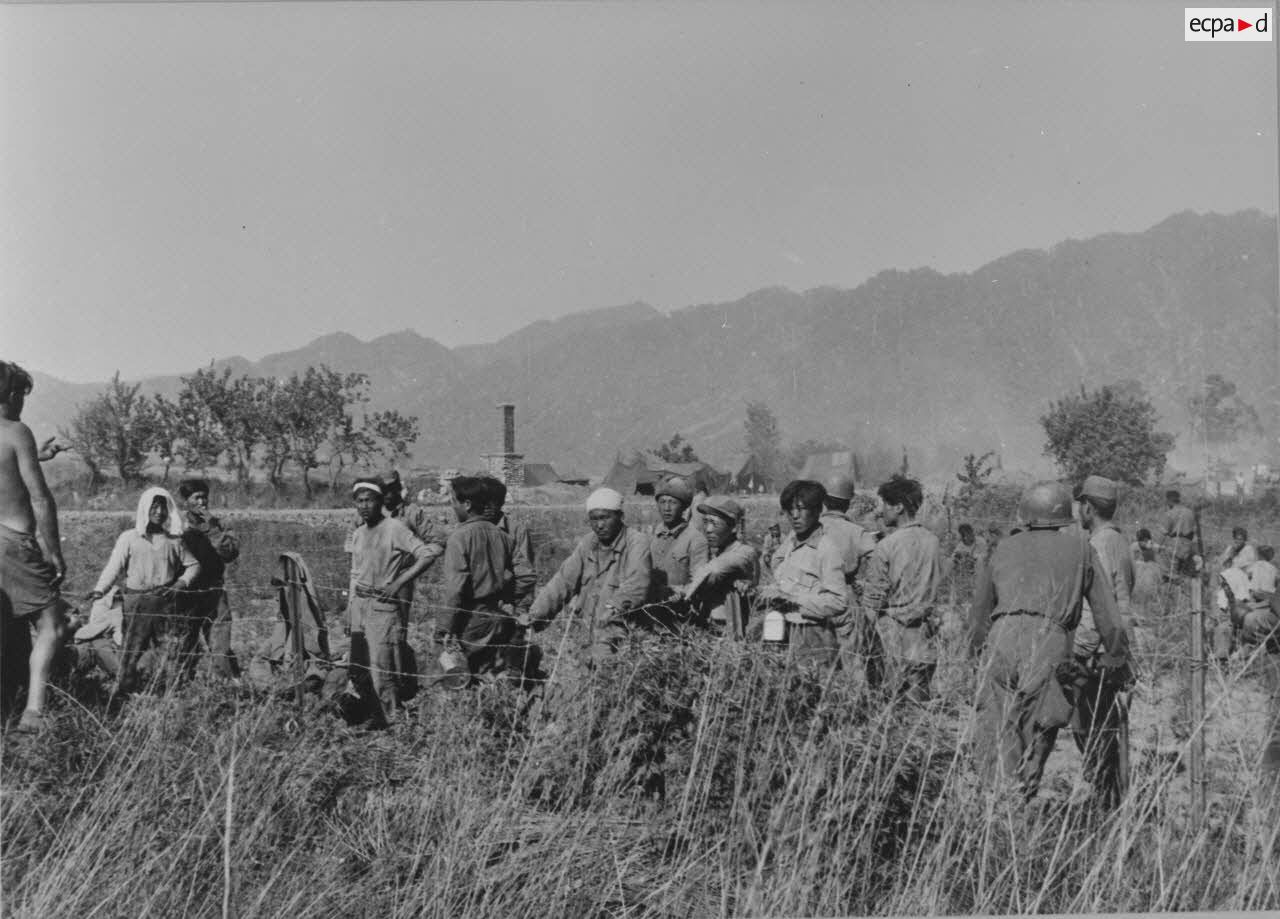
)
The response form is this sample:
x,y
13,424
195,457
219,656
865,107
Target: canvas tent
x,y
640,477
752,477
536,474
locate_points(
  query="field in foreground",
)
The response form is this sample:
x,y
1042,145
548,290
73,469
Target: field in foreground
x,y
685,779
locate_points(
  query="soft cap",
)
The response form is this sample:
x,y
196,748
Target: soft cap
x,y
604,499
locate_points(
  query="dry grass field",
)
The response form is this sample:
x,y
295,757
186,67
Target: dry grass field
x,y
684,779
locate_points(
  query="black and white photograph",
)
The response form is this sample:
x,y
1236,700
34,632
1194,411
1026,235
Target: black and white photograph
x,y
638,460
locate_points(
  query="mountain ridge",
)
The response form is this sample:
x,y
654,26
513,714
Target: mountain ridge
x,y
946,363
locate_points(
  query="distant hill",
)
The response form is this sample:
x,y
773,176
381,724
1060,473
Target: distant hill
x,y
942,363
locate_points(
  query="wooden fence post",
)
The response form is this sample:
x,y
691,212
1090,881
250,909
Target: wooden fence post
x,y
1198,779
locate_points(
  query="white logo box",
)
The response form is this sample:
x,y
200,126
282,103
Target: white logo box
x,y
1224,23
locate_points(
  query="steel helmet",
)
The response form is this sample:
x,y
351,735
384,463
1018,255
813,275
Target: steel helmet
x,y
1046,504
839,486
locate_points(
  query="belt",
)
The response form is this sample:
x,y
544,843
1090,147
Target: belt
x,y
1028,612
1016,612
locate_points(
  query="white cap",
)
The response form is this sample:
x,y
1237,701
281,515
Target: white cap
x,y
604,499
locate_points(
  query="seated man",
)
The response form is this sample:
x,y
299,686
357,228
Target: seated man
x,y
717,589
1143,548
158,568
1262,578
609,574
1239,554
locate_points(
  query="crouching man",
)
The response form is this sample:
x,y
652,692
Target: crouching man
x,y
385,559
609,574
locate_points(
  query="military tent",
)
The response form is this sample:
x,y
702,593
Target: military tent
x,y
752,477
536,474
640,476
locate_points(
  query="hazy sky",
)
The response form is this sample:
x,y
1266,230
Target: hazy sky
x,y
182,182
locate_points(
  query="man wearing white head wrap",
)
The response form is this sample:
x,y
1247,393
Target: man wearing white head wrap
x,y
609,574
157,566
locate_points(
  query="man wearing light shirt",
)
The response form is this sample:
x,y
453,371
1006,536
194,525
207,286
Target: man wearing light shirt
x,y
808,577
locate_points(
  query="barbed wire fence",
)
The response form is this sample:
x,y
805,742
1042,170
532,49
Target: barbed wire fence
x,y
1166,657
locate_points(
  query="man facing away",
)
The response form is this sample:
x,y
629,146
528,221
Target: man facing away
x,y
477,583
1099,717
608,575
898,594
526,577
208,611
158,570
385,559
31,564
808,585
1179,524
1026,607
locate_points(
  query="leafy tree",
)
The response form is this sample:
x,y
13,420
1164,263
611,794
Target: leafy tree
x,y
117,428
975,476
349,443
764,439
1105,433
202,436
1218,414
308,410
223,415
392,432
168,436
676,450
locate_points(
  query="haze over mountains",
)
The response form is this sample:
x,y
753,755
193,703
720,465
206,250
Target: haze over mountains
x,y
943,363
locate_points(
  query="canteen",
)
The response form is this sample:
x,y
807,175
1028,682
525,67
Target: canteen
x,y
775,627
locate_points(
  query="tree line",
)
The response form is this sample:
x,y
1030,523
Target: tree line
x,y
317,419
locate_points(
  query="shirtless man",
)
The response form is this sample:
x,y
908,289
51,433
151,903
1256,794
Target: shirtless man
x,y
31,565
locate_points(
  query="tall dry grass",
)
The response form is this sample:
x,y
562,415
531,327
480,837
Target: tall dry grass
x,y
683,779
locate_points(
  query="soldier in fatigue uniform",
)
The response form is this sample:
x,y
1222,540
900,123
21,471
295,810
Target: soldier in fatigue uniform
x,y
1026,607
1099,719
1180,532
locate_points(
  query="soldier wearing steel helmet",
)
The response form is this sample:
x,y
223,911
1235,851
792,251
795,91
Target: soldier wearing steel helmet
x,y
1026,607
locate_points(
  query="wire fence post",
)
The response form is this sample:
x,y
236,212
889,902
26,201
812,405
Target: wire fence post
x,y
297,598
1198,779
